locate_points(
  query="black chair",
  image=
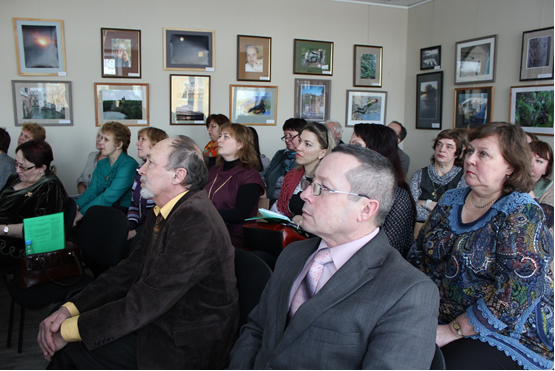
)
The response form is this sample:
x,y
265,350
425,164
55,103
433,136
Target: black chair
x,y
438,362
252,275
69,215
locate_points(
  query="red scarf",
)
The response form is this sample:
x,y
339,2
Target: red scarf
x,y
211,149
290,182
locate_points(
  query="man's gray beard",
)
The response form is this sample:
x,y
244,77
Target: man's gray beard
x,y
145,192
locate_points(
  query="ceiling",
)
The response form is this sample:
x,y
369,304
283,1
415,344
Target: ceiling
x,y
405,4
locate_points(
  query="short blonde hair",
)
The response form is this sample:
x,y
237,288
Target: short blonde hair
x,y
37,131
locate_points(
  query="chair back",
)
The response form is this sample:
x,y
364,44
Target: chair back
x,y
438,362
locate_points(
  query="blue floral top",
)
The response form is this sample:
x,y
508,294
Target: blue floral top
x,y
497,270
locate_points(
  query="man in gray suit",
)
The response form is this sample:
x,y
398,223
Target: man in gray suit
x,y
347,300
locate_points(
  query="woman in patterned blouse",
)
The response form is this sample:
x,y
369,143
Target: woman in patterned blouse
x,y
488,250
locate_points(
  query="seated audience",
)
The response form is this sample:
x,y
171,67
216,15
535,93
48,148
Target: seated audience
x,y
33,191
316,142
7,166
428,184
342,300
31,131
401,135
542,168
234,183
264,162
85,178
399,223
213,123
113,177
336,129
284,159
488,250
173,303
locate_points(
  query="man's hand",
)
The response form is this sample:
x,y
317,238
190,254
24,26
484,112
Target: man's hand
x,y
49,338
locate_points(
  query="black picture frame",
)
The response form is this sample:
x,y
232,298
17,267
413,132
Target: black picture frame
x,y
430,58
186,49
429,100
536,62
473,107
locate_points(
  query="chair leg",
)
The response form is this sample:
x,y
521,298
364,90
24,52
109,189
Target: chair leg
x,y
10,324
21,327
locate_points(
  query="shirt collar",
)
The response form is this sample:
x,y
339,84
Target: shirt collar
x,y
167,208
342,253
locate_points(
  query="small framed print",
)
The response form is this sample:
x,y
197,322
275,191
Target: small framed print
x,y
121,53
475,60
189,99
532,108
124,103
364,106
40,46
473,107
48,103
253,105
188,49
311,57
312,99
254,58
536,62
368,66
429,100
430,58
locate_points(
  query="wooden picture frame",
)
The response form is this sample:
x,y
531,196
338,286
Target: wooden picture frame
x,y
254,58
536,62
120,53
189,99
312,57
532,108
40,46
365,106
312,99
186,49
430,58
475,60
368,66
253,104
48,103
429,100
473,107
124,103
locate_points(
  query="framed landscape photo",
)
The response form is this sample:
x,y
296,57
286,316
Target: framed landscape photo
x,y
429,100
188,49
254,58
532,108
48,103
430,58
475,60
40,46
121,53
124,103
189,99
253,105
311,57
364,106
368,66
312,99
536,62
473,107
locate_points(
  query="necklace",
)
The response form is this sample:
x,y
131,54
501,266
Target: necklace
x,y
210,195
481,206
434,193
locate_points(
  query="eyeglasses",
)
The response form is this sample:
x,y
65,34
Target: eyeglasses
x,y
317,189
285,138
23,168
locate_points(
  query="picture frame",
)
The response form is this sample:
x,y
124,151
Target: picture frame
x,y
254,58
189,99
532,108
368,63
253,104
430,58
366,106
536,62
40,46
475,60
312,99
124,103
429,100
186,49
120,53
473,107
48,103
312,57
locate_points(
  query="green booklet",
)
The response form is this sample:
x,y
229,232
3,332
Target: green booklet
x,y
271,216
45,232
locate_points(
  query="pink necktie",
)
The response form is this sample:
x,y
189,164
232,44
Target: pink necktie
x,y
308,285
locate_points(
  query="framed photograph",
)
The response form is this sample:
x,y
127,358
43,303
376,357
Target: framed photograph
x,y
364,106
40,46
532,108
48,103
430,58
473,107
254,58
253,105
536,62
188,49
475,60
311,57
368,66
312,99
121,53
189,99
124,103
429,100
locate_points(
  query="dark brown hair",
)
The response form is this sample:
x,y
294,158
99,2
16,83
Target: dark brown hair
x,y
38,152
218,118
545,151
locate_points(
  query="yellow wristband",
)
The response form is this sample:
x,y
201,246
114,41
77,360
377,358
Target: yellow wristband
x,y
457,328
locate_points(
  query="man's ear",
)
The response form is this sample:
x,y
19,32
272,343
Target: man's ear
x,y
369,210
179,176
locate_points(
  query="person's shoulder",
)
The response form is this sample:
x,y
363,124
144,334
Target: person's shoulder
x,y
128,160
518,201
454,196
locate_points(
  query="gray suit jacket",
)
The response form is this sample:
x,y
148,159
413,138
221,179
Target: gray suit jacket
x,y
405,161
376,312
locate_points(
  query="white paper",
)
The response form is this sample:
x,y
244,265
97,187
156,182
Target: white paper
x,y
62,73
209,69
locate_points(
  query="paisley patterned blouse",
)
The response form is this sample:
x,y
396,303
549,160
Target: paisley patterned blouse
x,y
497,270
